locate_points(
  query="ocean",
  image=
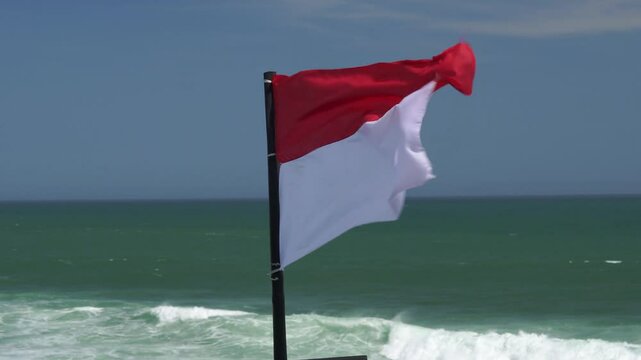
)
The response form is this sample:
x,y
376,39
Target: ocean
x,y
486,278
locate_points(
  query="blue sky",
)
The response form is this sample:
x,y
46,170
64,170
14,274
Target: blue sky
x,y
163,99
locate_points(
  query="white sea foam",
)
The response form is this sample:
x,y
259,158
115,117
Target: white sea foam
x,y
167,314
408,342
88,309
199,332
613,261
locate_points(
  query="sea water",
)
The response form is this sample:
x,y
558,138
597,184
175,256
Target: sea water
x,y
513,278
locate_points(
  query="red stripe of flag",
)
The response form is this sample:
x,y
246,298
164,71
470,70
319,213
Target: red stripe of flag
x,y
315,108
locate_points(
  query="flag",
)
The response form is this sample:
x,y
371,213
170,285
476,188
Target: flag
x,y
348,143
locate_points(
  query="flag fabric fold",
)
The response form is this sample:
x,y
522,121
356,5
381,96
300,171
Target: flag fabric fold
x,y
348,143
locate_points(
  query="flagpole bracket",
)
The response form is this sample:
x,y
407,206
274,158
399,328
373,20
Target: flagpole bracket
x,y
275,268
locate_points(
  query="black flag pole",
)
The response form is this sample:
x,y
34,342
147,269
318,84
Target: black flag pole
x,y
276,274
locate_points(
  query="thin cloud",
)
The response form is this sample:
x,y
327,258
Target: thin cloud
x,y
502,18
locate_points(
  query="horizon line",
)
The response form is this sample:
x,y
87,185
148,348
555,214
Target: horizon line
x,y
240,199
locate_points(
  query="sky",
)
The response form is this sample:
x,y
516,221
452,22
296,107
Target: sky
x,y
164,99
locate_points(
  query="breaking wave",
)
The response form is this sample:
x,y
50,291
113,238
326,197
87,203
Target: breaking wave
x,y
199,332
407,342
167,314
313,335
88,309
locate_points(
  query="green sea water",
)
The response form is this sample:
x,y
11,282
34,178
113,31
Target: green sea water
x,y
504,278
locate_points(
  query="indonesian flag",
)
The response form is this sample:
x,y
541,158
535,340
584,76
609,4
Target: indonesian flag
x,y
348,143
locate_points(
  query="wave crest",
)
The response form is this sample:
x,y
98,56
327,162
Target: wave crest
x,y
88,309
408,342
168,314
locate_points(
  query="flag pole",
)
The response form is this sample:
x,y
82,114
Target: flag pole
x,y
276,274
